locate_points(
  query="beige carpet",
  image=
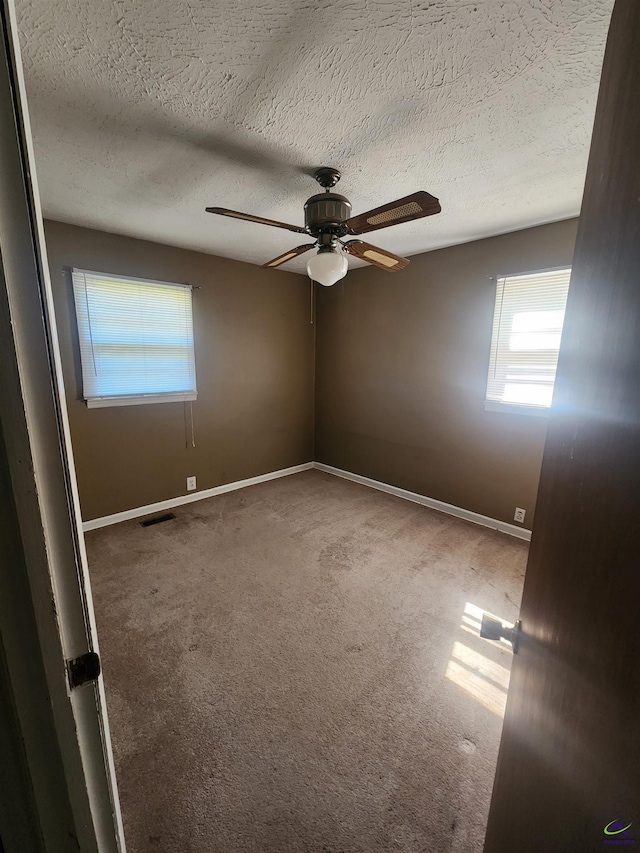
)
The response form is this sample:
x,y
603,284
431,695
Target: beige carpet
x,y
296,667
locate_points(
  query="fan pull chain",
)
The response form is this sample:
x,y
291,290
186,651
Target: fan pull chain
x,y
311,306
188,426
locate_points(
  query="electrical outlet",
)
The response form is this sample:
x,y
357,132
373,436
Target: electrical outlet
x,y
518,515
191,483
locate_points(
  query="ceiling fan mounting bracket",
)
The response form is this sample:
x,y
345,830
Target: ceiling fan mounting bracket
x,y
327,177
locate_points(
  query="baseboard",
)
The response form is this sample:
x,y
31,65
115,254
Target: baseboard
x,y
440,506
190,498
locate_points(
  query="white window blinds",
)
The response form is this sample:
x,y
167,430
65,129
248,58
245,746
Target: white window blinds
x,y
136,339
527,327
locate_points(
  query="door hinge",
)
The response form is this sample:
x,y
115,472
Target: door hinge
x,y
83,669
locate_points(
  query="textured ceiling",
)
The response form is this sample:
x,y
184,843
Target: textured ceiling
x,y
146,111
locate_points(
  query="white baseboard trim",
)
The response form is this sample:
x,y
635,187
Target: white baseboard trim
x,y
440,506
190,498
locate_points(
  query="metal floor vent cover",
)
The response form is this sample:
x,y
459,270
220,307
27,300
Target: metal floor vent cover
x,y
158,519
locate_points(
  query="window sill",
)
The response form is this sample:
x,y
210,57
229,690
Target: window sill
x,y
136,400
515,409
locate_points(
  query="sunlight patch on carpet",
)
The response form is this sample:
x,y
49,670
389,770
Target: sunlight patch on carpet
x,y
473,669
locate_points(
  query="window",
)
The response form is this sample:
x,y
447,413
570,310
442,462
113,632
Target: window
x,y
527,326
136,339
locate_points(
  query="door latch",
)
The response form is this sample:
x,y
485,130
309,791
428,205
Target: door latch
x,y
494,629
83,669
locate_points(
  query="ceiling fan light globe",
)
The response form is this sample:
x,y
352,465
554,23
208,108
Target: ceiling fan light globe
x,y
327,267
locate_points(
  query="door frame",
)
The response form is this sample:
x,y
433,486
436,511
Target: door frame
x,y
73,777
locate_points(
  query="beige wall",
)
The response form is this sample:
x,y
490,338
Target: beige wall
x,y
254,364
401,370
400,375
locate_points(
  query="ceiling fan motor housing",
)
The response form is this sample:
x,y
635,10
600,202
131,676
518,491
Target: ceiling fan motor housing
x,y
327,212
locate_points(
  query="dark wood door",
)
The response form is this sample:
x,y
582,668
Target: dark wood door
x,y
569,763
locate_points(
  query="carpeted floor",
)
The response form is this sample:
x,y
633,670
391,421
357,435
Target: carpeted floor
x,y
296,667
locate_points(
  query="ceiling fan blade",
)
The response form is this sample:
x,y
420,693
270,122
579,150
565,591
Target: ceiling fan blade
x,y
402,210
292,253
235,214
375,255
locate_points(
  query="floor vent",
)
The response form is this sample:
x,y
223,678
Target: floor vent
x,y
157,519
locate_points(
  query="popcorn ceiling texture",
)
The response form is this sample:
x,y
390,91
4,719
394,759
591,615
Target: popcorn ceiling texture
x,y
146,111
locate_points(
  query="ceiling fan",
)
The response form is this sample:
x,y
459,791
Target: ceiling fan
x,y
328,219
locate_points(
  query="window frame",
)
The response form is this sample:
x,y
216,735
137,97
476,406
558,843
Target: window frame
x,y
112,400
535,410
